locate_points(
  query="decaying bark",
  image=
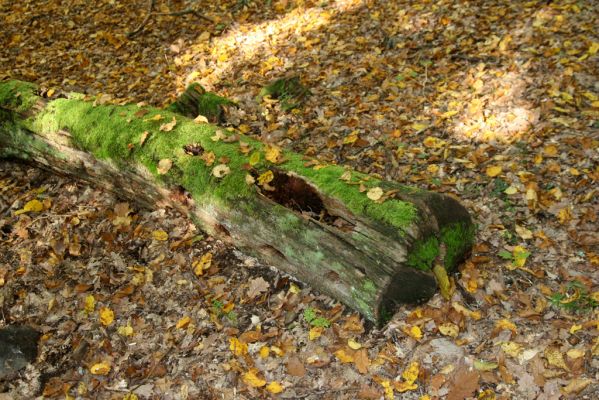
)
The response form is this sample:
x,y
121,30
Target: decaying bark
x,y
312,221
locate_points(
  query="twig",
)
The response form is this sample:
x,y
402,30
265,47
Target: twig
x,y
151,14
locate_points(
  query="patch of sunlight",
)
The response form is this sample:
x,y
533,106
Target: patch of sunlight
x,y
494,108
270,43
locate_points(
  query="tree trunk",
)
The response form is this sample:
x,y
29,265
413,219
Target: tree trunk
x,y
365,242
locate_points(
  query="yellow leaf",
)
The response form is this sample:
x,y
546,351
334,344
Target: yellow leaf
x,y
520,255
272,154
251,378
575,328
156,117
106,316
277,350
449,114
264,351
481,365
266,178
413,331
201,265
238,347
576,385
249,180
433,143
555,358
405,386
411,373
160,235
126,330
183,322
512,349
506,324
475,315
375,193
274,387
353,344
449,329
386,384
243,128
594,48
351,138
130,396
254,158
550,150
315,332
31,206
575,353
344,356
418,126
90,304
493,170
100,369
442,280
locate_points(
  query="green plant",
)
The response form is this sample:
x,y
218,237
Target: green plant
x,y
313,319
574,297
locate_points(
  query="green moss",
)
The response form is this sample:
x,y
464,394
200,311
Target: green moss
x,y
197,101
289,91
17,96
458,239
423,253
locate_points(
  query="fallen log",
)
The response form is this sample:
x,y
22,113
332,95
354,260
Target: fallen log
x,y
368,243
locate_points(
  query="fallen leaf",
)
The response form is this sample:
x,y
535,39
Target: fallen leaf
x,y
344,356
160,235
361,361
106,316
183,322
375,193
238,347
221,170
167,127
31,206
164,166
102,368
251,378
295,367
274,387
201,265
493,170
256,287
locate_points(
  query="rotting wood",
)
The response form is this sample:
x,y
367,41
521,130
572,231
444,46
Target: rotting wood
x,y
312,221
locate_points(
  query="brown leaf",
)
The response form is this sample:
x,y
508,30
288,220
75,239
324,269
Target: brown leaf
x,y
295,367
361,361
463,384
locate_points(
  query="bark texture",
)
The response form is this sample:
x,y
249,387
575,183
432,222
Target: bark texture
x,y
312,221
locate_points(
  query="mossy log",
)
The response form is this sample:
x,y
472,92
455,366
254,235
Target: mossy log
x,y
366,242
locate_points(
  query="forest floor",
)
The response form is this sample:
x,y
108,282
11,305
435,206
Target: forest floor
x,y
495,102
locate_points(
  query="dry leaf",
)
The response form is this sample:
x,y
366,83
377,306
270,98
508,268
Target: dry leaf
x,y
375,193
167,127
361,361
252,379
102,368
257,287
106,316
164,166
221,170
